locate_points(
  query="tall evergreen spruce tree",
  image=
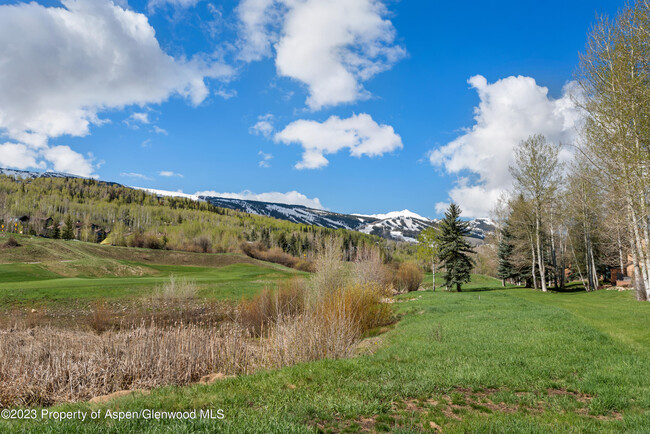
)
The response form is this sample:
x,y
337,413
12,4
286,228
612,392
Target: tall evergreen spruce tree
x,y
506,270
454,249
68,229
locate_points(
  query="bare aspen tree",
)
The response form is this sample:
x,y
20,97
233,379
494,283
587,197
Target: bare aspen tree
x,y
537,176
614,76
584,215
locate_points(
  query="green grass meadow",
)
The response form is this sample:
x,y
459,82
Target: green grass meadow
x,y
43,273
488,360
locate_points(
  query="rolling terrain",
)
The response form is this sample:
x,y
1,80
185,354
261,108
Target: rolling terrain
x,y
44,272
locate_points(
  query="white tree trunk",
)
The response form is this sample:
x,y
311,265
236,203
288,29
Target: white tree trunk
x,y
433,271
532,248
638,258
540,258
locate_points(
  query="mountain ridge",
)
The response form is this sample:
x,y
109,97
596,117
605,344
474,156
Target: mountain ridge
x,y
402,225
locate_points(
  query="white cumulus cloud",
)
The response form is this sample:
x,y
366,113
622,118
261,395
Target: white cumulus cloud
x,y
510,110
19,156
290,197
330,46
62,66
255,35
359,133
66,160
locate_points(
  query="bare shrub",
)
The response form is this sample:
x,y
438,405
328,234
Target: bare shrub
x,y
204,244
305,266
136,239
361,305
100,319
177,290
409,277
152,241
310,337
269,306
369,268
275,255
10,243
331,273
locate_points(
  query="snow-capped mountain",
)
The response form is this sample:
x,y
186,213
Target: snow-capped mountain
x,y
26,174
293,213
398,225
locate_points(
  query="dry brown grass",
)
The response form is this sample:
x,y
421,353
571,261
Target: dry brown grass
x,y
295,323
43,365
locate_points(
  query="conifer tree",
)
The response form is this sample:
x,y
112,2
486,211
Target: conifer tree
x,y
56,232
68,230
454,249
506,269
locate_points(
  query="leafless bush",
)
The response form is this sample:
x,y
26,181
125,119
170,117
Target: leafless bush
x,y
275,255
204,244
331,273
152,241
100,317
10,243
408,277
177,290
271,305
368,268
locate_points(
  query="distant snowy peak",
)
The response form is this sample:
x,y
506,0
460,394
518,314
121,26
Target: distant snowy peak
x,y
399,225
27,174
397,214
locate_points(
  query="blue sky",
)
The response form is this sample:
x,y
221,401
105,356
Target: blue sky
x,y
381,90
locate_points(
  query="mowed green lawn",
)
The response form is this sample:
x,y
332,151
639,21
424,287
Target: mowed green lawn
x,y
229,282
489,360
72,272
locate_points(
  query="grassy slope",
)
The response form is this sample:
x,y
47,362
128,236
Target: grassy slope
x,y
45,271
514,344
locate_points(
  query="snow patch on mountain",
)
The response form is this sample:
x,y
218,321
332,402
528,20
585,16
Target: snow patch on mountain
x,y
397,214
166,193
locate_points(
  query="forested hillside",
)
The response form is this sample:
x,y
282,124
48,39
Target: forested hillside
x,y
90,210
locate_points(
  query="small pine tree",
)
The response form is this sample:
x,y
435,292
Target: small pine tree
x,y
454,249
56,231
68,230
282,242
506,270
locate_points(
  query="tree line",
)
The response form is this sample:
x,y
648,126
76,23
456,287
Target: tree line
x,y
587,219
